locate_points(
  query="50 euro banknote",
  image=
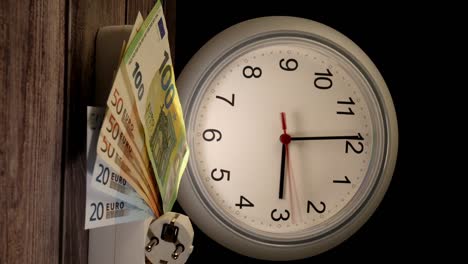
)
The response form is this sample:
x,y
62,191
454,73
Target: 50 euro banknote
x,y
121,142
104,208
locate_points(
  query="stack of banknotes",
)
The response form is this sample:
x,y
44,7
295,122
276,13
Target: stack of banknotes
x,y
136,145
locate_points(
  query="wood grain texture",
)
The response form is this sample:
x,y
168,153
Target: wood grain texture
x,y
85,18
144,6
31,117
47,80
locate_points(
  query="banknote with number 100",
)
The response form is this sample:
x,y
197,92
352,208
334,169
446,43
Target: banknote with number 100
x,y
148,66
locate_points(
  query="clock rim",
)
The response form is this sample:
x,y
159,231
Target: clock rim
x,y
190,77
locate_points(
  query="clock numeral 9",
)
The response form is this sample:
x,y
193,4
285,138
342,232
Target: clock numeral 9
x,y
355,150
219,178
323,81
290,65
250,72
310,204
212,134
280,217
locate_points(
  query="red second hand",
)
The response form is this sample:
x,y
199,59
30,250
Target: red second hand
x,y
285,138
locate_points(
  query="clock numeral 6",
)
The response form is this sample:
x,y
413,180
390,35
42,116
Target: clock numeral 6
x,y
280,217
250,72
355,150
290,65
323,81
310,204
219,178
212,134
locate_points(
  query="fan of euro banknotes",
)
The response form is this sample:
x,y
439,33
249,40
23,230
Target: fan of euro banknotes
x,y
136,145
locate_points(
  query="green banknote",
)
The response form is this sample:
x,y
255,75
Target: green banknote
x,y
148,65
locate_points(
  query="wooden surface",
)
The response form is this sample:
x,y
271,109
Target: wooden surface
x,y
85,18
31,116
47,79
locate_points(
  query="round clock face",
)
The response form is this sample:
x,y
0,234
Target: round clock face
x,y
290,137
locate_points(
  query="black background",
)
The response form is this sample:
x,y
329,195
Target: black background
x,y
394,37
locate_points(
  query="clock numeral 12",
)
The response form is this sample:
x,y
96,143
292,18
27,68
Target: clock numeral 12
x,y
350,111
357,150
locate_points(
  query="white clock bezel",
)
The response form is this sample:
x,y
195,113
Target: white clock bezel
x,y
192,75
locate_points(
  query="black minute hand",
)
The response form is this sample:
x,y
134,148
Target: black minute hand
x,y
358,137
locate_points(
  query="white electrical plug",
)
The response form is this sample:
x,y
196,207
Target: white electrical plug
x,y
169,239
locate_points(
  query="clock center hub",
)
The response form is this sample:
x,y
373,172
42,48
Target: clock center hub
x,y
285,138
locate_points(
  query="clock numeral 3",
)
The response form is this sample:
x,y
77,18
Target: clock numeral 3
x,y
247,203
250,72
219,178
226,100
280,217
290,65
355,149
212,134
323,81
350,111
310,204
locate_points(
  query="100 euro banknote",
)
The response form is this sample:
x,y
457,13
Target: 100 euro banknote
x,y
148,66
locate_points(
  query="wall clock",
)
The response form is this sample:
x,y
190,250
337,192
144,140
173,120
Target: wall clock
x,y
293,138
